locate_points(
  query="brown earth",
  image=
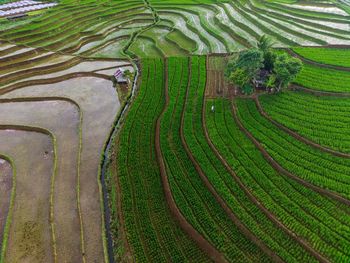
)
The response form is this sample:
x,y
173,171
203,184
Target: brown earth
x,y
217,85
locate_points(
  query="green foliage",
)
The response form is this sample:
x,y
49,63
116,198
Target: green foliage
x,y
330,56
192,197
304,211
323,120
265,43
247,89
324,79
251,61
242,69
271,81
319,168
151,230
210,25
239,77
223,183
286,69
232,193
269,59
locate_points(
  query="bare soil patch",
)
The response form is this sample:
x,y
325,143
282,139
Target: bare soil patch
x,y
217,86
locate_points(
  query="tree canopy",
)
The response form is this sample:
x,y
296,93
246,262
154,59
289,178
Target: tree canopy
x,y
286,68
262,66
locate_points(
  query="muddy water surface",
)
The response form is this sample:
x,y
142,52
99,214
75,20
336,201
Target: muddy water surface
x,y
100,105
5,193
29,233
62,118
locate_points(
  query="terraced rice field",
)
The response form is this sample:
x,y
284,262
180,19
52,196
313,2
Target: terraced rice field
x,y
175,166
267,174
166,28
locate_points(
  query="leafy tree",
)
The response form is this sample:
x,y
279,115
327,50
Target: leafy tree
x,y
269,59
286,69
265,45
242,70
251,61
270,82
262,66
240,77
247,89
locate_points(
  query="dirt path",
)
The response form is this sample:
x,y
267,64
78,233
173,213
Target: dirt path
x,y
217,86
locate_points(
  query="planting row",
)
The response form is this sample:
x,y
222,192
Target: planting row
x,y
324,120
317,167
299,209
227,186
69,199
192,197
323,79
151,231
330,56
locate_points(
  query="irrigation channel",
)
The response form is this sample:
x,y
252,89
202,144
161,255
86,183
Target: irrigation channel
x,y
105,163
107,151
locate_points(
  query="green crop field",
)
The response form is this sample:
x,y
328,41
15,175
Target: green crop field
x,y
123,138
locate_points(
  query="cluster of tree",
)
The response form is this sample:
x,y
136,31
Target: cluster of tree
x,y
262,67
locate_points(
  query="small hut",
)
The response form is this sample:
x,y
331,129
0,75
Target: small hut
x,y
260,80
120,77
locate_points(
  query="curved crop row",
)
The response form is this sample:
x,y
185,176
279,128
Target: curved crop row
x,y
227,187
7,216
329,27
223,27
328,56
324,79
297,207
322,119
41,138
307,14
319,168
64,187
190,193
151,232
103,103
